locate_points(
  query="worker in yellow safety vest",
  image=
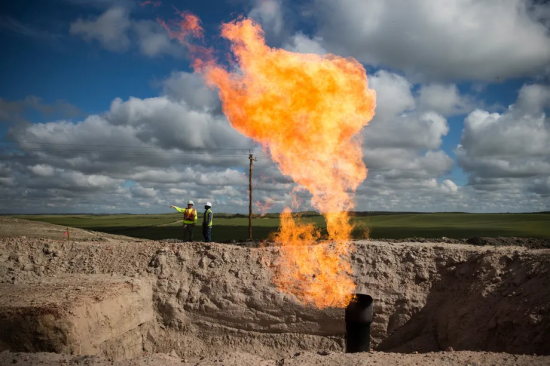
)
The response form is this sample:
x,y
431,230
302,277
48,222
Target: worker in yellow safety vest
x,y
189,220
207,222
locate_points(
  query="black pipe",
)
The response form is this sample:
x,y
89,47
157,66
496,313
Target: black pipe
x,y
359,315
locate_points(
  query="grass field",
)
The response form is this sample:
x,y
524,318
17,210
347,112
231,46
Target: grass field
x,y
387,226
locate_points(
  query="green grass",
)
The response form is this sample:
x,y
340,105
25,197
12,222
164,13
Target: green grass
x,y
381,225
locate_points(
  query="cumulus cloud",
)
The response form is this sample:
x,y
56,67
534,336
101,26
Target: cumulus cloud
x,y
153,40
269,13
6,178
509,151
109,29
444,99
117,31
42,170
155,150
143,155
141,192
13,112
393,94
189,88
439,40
301,43
402,149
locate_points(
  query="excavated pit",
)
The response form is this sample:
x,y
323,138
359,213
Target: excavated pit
x,y
215,299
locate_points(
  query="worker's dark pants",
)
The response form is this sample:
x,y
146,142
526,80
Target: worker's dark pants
x,y
207,233
188,232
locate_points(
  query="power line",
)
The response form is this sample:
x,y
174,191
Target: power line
x,y
122,152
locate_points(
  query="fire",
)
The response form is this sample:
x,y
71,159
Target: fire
x,y
307,111
189,24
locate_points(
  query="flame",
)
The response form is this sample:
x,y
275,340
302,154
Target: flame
x,y
366,233
307,111
189,24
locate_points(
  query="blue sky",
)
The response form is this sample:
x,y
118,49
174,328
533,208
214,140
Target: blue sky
x,y
49,57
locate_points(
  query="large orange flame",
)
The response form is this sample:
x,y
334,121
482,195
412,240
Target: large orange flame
x,y
307,111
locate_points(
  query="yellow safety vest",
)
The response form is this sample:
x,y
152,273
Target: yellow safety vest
x,y
189,216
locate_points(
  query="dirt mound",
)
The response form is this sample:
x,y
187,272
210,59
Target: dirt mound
x,y
500,241
532,243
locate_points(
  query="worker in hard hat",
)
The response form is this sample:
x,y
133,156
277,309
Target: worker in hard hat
x,y
189,220
207,222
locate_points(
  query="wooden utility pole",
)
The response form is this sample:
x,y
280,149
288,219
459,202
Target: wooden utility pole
x,y
252,160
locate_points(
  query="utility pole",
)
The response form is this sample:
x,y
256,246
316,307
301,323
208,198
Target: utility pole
x,y
252,160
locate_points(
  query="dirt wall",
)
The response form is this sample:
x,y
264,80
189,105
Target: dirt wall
x,y
214,299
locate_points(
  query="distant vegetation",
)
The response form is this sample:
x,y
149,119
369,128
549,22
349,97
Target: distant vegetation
x,y
377,225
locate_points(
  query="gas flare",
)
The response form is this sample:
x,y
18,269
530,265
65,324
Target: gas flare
x,y
307,111
189,25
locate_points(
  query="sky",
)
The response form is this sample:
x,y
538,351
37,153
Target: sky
x,y
100,111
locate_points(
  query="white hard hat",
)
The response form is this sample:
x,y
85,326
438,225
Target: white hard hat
x,y
190,203
208,204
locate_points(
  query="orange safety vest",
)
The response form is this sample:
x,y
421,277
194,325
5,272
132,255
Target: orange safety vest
x,y
189,214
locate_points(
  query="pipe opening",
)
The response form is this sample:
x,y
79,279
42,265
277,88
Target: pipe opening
x,y
359,315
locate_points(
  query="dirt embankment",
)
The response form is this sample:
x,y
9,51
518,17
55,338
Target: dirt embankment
x,y
213,300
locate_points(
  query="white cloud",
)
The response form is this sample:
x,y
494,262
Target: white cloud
x,y
301,43
139,191
449,186
116,31
444,99
168,146
142,155
393,94
154,41
438,40
402,151
534,98
42,170
269,13
189,88
511,150
109,29
414,130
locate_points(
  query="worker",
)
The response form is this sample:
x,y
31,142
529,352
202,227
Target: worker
x,y
207,223
189,220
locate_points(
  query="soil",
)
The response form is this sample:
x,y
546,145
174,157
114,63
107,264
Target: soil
x,y
217,302
463,358
531,243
